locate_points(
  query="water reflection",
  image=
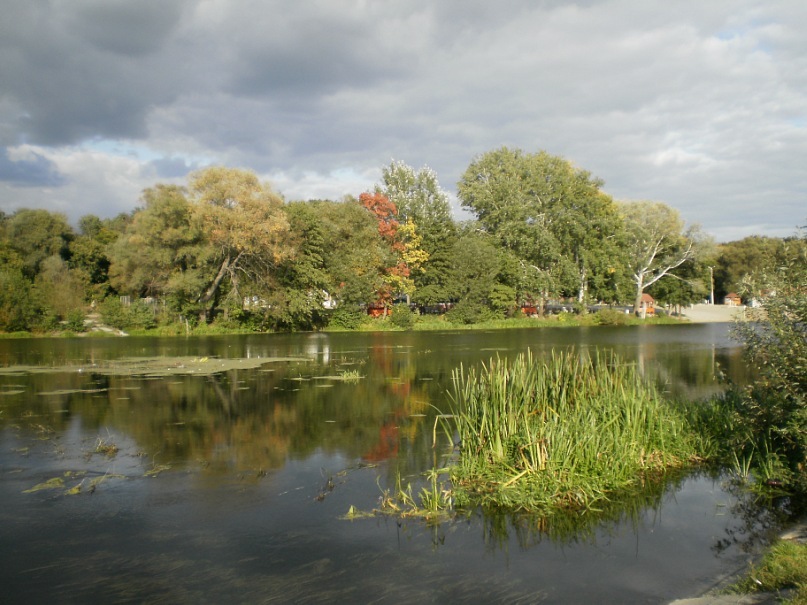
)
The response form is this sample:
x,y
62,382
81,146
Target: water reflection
x,y
257,419
235,482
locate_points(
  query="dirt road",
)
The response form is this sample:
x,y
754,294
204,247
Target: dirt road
x,y
713,313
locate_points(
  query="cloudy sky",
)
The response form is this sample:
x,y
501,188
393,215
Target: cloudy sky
x,y
701,105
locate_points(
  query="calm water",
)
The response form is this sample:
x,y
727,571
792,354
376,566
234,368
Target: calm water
x,y
231,487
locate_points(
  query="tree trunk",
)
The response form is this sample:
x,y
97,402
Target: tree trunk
x,y
637,303
210,293
581,293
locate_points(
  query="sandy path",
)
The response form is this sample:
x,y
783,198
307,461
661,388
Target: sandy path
x,y
713,313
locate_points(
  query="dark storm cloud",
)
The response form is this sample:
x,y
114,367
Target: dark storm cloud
x,y
311,57
82,69
700,105
124,27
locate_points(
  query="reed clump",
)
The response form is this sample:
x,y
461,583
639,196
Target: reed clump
x,y
571,432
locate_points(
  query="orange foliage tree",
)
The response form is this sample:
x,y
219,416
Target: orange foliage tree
x,y
404,245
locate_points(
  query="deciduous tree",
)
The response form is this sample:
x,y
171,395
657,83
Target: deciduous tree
x,y
748,257
549,214
656,243
37,235
421,201
295,299
246,231
161,252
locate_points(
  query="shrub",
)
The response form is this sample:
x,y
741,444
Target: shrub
x,y
113,313
772,412
141,315
469,312
610,317
75,320
347,317
137,315
402,317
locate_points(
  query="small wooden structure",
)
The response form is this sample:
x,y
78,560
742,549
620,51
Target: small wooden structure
x,y
648,306
733,299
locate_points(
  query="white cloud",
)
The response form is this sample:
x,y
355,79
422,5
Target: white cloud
x,y
97,182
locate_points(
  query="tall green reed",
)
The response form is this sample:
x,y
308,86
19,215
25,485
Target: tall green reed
x,y
565,432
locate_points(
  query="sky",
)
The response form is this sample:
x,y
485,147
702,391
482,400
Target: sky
x,y
700,105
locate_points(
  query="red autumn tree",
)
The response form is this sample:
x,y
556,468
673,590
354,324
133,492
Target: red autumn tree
x,y
386,214
404,243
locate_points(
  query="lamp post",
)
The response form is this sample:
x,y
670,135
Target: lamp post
x,y
711,285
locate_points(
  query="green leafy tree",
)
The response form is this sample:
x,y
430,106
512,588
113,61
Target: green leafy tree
x,y
59,289
551,216
689,285
89,256
18,307
773,410
162,252
297,294
421,201
354,253
36,235
744,258
476,264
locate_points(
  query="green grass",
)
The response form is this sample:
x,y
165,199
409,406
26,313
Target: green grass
x,y
784,566
427,323
422,323
570,433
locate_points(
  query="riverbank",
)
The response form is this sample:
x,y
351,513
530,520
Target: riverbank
x,y
94,326
717,596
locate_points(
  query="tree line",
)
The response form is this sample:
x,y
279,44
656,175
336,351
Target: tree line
x,y
227,247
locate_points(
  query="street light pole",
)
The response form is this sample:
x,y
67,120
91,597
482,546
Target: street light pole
x,y
712,285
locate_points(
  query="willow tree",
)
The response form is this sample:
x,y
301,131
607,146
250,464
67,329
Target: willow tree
x,y
196,246
247,234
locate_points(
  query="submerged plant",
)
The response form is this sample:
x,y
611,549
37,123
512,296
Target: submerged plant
x,y
106,447
568,433
350,375
434,502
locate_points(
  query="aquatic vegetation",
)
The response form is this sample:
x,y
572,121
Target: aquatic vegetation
x,y
150,367
106,447
568,433
54,483
432,504
350,375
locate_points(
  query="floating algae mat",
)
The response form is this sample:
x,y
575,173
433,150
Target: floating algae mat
x,y
151,367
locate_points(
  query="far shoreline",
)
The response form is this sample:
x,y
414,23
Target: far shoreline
x,y
696,314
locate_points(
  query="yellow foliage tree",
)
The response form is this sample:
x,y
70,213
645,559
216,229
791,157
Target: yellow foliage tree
x,y
246,229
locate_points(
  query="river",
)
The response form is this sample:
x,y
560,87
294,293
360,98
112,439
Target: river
x,y
189,483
